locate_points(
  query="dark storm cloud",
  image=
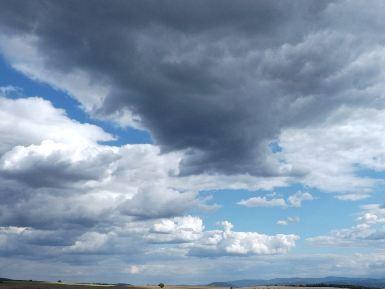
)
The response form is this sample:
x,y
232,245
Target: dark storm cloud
x,y
216,78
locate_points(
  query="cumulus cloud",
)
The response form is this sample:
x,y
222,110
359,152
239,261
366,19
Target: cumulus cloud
x,y
189,232
74,196
340,154
303,95
233,99
89,242
177,230
263,202
53,164
27,121
227,242
184,92
369,230
55,173
186,223
294,200
158,202
299,197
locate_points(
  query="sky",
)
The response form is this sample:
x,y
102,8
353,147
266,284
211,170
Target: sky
x,y
188,142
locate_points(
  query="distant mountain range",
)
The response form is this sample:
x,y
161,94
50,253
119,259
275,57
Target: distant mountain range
x,y
331,280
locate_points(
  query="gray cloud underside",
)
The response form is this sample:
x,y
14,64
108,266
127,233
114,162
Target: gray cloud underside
x,y
67,197
219,79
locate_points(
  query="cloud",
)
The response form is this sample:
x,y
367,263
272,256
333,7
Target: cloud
x,y
53,164
288,221
134,269
341,154
215,88
177,230
352,197
227,242
303,99
280,69
10,91
37,120
262,202
270,266
72,196
158,202
189,232
205,181
294,200
55,173
89,242
369,230
299,197
186,223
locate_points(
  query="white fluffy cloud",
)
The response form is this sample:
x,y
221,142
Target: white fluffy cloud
x,y
299,197
369,230
27,121
334,153
177,230
64,190
263,202
227,242
186,223
189,232
55,173
294,200
55,164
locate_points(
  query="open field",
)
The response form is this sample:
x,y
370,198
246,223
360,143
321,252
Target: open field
x,y
45,285
293,286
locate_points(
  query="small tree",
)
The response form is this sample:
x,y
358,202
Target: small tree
x,y
161,285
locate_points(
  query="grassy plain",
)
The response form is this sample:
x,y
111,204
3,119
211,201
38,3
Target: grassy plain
x,y
47,285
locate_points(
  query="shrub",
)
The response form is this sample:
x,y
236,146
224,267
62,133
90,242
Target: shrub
x,y
161,285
